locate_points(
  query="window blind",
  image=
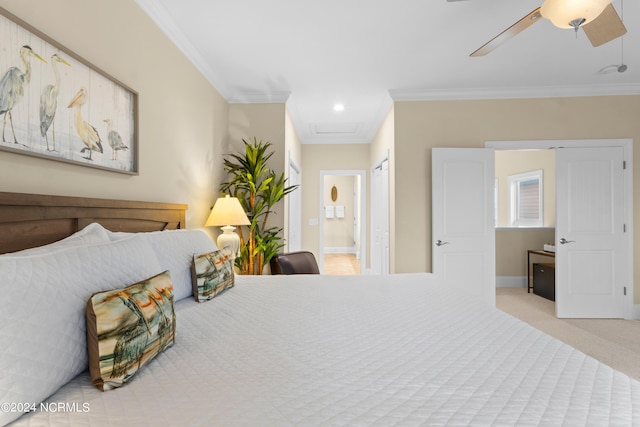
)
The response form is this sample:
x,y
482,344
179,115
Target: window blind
x,y
529,200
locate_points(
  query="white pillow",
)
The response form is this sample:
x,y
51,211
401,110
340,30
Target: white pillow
x,y
92,233
119,235
42,312
175,250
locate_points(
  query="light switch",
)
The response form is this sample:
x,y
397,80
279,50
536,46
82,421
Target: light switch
x,y
313,221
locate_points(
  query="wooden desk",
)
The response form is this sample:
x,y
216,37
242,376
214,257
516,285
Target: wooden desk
x,y
529,272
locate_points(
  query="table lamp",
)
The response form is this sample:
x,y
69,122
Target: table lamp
x,y
227,212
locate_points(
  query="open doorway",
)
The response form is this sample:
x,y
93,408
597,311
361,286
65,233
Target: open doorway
x,y
594,223
525,212
342,223
592,238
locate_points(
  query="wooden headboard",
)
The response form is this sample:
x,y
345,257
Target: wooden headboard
x,y
30,220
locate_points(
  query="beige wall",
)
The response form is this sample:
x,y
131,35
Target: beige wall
x,y
293,147
421,125
182,118
382,145
325,157
512,245
293,150
265,122
338,232
510,162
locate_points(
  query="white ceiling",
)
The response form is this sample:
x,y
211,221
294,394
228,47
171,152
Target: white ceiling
x,y
365,54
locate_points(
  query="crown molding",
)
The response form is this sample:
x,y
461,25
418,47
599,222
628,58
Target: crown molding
x,y
515,92
159,14
275,97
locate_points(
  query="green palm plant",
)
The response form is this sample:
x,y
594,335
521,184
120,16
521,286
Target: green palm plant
x,y
258,188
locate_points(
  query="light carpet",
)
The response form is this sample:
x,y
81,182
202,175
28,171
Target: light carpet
x,y
614,342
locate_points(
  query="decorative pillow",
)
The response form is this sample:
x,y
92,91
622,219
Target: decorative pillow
x,y
175,250
211,274
92,233
43,337
127,328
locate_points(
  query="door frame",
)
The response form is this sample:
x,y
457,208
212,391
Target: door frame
x,y
363,217
627,146
291,206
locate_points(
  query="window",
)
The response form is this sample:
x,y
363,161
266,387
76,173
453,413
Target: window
x,y
525,199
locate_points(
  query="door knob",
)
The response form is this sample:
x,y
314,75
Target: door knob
x,y
563,241
440,243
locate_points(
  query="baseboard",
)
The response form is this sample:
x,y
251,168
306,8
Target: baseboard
x,y
339,250
511,281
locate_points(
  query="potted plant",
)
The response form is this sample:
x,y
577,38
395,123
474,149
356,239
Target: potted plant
x,y
258,188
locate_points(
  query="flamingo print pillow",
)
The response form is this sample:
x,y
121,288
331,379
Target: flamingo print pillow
x,y
212,273
127,328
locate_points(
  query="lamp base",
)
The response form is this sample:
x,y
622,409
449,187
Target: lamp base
x,y
229,239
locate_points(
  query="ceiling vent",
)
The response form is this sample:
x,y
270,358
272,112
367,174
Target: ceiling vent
x,y
335,128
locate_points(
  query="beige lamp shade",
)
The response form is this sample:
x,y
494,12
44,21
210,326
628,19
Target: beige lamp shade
x,y
572,13
227,211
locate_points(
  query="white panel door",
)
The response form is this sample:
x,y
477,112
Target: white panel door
x,y
376,222
463,235
384,213
380,255
590,232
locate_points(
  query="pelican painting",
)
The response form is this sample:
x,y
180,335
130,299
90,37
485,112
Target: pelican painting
x,y
49,102
87,133
12,87
115,140
33,97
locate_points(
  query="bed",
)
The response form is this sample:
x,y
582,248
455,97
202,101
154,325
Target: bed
x,y
304,350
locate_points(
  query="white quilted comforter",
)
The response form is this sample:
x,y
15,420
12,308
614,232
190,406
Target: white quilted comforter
x,y
356,351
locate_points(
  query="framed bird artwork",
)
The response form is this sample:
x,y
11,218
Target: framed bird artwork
x,y
57,106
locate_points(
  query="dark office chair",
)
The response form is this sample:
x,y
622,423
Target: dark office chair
x,y
301,262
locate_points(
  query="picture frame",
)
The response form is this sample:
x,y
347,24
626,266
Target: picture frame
x,y
57,106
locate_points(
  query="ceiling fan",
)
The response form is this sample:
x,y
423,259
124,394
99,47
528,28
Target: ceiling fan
x,y
598,19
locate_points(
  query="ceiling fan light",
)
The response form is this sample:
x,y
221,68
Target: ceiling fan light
x,y
563,12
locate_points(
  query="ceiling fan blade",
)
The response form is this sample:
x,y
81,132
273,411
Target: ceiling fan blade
x,y
509,33
606,27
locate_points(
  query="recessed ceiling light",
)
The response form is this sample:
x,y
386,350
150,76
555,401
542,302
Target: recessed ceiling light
x,y
338,107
